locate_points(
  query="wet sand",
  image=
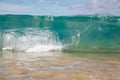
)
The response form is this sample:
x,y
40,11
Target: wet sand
x,y
19,66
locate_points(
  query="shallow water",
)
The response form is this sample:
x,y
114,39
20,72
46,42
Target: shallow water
x,y
59,66
59,47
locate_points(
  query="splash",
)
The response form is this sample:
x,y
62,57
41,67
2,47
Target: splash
x,y
30,40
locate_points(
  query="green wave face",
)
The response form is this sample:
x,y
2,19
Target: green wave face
x,y
69,33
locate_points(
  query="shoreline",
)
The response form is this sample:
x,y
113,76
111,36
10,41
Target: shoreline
x,y
60,67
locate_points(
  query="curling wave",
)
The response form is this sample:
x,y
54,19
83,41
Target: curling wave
x,y
27,33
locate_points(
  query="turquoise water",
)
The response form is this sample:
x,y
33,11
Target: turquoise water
x,y
59,47
96,33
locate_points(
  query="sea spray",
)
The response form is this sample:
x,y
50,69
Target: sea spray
x,y
30,40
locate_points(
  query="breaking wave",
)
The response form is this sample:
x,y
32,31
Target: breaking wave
x,y
30,40
65,33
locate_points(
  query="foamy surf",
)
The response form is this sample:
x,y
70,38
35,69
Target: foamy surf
x,y
30,40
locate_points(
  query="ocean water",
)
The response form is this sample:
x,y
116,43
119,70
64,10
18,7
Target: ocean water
x,y
59,47
69,33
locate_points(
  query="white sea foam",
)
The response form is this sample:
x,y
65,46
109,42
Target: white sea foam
x,y
31,40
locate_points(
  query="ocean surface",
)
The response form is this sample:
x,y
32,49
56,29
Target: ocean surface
x,y
59,47
97,33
